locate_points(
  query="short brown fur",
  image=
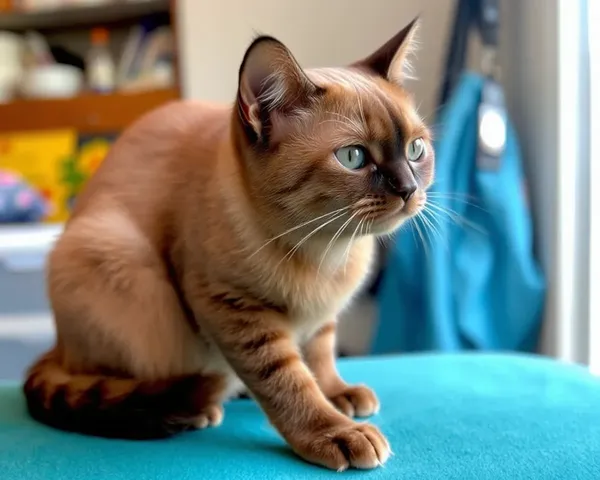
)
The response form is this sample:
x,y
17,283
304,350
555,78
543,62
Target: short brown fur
x,y
214,248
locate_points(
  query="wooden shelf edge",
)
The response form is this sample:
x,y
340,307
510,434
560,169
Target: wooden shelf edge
x,y
85,114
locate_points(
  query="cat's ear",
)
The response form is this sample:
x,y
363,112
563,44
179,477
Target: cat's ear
x,y
392,60
270,80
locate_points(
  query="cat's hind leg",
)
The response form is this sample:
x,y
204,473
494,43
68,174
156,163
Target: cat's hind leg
x,y
128,361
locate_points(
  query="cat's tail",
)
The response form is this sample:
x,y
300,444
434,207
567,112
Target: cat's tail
x,y
116,407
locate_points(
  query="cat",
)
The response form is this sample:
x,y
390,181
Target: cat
x,y
215,246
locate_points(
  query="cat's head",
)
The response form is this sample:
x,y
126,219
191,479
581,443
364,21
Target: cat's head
x,y
341,145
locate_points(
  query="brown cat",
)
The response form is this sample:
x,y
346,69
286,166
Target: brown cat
x,y
215,247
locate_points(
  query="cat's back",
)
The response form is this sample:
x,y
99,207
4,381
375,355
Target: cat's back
x,y
157,156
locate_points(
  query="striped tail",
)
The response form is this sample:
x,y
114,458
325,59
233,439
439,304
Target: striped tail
x,y
116,407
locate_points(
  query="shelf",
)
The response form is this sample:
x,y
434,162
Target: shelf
x,y
27,237
67,17
86,113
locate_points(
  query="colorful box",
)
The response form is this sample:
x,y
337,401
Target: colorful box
x,y
56,163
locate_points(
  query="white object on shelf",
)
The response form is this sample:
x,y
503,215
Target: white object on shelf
x,y
52,81
11,68
26,327
100,66
21,239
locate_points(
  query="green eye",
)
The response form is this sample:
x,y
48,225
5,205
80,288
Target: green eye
x,y
415,150
352,157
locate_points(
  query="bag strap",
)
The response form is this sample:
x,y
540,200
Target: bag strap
x,y
483,15
457,49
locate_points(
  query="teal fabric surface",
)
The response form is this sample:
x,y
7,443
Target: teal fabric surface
x,y
463,416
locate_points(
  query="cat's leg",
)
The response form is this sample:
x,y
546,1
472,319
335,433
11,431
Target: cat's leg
x,y
352,400
258,344
128,363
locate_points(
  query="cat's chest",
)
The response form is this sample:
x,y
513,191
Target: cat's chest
x,y
315,299
307,314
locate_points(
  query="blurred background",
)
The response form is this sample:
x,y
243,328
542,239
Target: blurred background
x,y
502,259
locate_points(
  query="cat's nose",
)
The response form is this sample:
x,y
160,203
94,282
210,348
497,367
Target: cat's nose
x,y
403,190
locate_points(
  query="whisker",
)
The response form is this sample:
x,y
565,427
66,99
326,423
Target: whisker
x,y
353,127
368,224
291,253
436,217
429,231
332,120
299,226
464,199
437,211
334,239
411,223
343,117
431,221
423,242
451,195
360,106
455,216
349,247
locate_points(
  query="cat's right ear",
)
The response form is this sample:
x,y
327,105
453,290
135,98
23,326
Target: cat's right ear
x,y
270,80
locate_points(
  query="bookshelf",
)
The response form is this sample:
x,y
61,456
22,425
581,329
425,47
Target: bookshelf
x,y
70,26
88,113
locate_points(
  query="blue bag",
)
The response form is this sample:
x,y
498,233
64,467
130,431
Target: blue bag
x,y
477,285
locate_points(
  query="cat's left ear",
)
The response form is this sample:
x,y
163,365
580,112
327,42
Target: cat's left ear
x,y
392,60
270,81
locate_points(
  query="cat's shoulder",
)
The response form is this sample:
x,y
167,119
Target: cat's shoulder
x,y
184,116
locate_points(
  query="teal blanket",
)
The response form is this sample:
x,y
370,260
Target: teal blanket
x,y
463,416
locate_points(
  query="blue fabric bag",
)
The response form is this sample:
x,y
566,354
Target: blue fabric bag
x,y
475,285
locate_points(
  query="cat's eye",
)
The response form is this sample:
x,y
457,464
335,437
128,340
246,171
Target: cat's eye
x,y
352,157
415,150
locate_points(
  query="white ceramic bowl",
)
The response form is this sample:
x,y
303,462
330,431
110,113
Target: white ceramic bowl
x,y
52,81
11,49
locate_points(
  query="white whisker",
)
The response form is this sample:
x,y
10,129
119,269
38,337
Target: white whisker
x,y
349,247
455,216
431,221
334,239
429,233
290,254
456,197
297,227
412,222
423,242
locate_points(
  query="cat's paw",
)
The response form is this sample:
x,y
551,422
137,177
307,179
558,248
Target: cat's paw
x,y
212,416
357,445
356,401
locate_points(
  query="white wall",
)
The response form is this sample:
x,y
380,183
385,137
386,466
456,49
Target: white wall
x,y
530,74
545,63
214,35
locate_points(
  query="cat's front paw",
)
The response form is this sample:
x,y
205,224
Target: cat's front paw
x,y
356,401
357,445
